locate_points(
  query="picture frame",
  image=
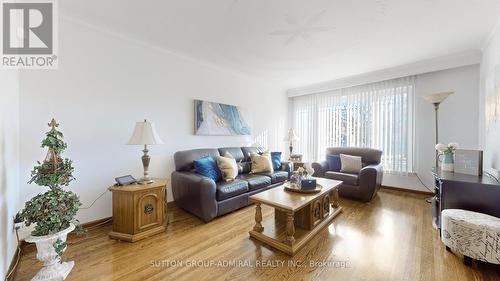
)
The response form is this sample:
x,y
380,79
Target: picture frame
x,y
469,162
218,119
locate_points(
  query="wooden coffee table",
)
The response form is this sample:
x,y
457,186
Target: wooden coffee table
x,y
297,216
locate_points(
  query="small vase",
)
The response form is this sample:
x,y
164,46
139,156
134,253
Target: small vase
x,y
53,268
447,164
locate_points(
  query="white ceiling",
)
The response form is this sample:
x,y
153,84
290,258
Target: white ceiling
x,y
298,42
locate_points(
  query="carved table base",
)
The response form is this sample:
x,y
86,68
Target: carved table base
x,y
290,231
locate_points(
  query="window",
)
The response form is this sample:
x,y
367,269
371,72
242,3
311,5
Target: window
x,y
378,115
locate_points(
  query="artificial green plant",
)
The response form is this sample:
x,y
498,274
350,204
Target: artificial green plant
x,y
54,210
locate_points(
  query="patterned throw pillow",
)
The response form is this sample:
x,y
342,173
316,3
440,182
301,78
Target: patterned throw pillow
x,y
350,164
228,166
261,163
206,166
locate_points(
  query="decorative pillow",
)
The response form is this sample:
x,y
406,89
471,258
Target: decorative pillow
x,y
276,158
206,166
240,164
228,167
350,164
334,163
261,163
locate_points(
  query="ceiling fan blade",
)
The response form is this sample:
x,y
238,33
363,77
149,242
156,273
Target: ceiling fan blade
x,y
282,32
291,20
292,38
315,19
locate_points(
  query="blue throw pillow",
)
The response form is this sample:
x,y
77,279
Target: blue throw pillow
x,y
334,163
276,159
207,167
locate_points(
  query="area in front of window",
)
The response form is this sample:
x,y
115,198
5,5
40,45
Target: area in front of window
x,y
377,115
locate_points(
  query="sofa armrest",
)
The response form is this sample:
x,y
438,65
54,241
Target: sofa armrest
x,y
287,167
195,193
370,178
320,168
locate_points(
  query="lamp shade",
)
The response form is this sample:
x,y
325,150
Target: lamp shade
x,y
291,136
437,97
145,133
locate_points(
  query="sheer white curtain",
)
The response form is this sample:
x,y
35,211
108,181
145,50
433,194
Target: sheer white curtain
x,y
377,115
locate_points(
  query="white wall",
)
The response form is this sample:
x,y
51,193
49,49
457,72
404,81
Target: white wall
x,y
425,66
458,116
107,82
458,119
9,165
489,137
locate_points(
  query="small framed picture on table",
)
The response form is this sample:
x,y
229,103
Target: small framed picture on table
x,y
468,161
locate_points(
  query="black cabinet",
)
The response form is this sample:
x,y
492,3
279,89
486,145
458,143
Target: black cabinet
x,y
460,191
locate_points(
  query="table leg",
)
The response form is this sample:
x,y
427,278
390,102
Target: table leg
x,y
290,229
258,218
335,199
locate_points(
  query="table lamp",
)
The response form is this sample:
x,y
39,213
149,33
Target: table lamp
x,y
145,134
436,99
290,138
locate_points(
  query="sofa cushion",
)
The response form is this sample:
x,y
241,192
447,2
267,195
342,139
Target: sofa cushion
x,y
370,156
334,163
184,159
206,166
247,150
255,181
276,176
236,152
350,179
227,190
244,167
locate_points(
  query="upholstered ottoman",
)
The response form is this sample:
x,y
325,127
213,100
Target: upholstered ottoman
x,y
472,234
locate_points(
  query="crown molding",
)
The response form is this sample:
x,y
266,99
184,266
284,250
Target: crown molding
x,y
425,66
492,33
99,28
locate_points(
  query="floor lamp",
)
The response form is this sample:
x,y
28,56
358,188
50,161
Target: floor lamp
x,y
436,100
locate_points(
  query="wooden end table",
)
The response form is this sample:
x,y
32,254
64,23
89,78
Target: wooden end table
x,y
297,216
139,210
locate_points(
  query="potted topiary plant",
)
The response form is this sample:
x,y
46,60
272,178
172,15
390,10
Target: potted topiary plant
x,y
52,212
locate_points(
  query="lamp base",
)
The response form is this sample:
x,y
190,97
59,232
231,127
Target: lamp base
x,y
145,163
145,181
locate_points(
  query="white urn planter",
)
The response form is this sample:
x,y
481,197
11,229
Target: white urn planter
x,y
52,269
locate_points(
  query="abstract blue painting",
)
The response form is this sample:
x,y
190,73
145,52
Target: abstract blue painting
x,y
218,119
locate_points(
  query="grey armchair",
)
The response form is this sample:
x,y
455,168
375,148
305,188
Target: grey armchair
x,y
363,186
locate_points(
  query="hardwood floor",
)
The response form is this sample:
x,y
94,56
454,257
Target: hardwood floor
x,y
390,238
